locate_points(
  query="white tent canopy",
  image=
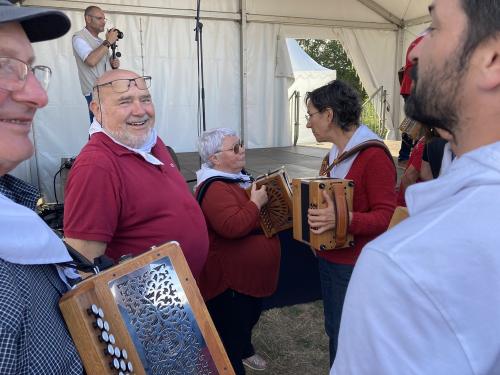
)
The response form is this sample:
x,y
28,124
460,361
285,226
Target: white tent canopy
x,y
306,75
240,41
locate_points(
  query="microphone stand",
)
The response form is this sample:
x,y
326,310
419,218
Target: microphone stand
x,y
201,81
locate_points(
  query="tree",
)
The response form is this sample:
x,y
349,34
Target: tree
x,y
331,55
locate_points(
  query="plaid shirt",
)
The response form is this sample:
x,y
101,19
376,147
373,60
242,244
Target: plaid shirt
x,y
19,191
33,336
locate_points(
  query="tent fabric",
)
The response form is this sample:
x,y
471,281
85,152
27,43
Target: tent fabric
x,y
159,41
305,75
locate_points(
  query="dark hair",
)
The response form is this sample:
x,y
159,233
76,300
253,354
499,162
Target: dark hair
x,y
483,22
341,98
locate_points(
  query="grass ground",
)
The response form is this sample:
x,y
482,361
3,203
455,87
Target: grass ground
x,y
292,340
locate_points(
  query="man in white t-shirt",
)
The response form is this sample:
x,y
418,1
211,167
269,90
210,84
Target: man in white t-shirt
x,y
91,52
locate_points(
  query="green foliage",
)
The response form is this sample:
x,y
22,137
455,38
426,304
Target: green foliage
x,y
331,55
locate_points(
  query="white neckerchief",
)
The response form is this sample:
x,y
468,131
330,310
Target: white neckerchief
x,y
26,239
144,151
206,172
362,134
448,158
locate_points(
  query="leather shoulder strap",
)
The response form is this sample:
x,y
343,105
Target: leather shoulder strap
x,y
345,155
202,190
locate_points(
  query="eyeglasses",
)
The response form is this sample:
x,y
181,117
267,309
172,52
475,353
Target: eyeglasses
x,y
14,73
236,147
123,84
308,116
98,18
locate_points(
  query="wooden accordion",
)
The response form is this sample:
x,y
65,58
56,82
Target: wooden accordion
x,y
276,215
308,193
144,316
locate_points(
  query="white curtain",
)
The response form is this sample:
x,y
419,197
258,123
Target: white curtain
x,y
169,54
267,99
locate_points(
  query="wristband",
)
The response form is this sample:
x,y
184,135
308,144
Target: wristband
x,y
106,43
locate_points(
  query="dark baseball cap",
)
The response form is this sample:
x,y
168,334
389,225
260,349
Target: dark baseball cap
x,y
39,23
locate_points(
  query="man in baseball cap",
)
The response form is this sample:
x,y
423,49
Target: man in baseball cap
x,y
33,336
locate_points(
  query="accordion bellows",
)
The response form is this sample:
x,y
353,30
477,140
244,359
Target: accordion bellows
x,y
144,316
308,193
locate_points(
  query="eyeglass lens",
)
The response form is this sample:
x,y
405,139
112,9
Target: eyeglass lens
x,y
14,73
237,147
122,85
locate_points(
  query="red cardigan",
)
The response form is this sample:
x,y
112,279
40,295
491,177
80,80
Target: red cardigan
x,y
240,257
374,201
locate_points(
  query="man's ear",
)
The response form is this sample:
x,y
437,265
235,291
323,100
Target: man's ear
x,y
96,110
445,134
489,64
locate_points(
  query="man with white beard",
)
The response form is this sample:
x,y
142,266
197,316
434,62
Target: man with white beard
x,y
124,193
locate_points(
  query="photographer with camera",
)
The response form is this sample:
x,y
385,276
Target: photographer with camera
x,y
92,53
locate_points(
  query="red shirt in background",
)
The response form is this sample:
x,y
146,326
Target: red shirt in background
x,y
406,82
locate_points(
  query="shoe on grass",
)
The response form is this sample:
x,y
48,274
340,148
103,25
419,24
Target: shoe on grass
x,y
255,362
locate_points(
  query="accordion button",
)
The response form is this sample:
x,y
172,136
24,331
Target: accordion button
x,y
111,350
123,365
118,352
124,354
93,310
130,368
112,339
106,325
104,336
100,313
115,364
99,323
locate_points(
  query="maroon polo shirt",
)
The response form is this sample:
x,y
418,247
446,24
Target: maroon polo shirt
x,y
113,195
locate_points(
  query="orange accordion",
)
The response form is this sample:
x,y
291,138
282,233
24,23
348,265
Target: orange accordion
x,y
144,316
308,193
276,215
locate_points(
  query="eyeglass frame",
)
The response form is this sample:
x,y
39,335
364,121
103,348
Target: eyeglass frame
x,y
147,79
308,116
236,148
29,68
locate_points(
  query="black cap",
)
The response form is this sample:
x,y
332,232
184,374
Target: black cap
x,y
39,23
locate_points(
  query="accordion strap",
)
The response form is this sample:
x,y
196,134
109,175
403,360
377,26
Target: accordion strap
x,y
200,194
341,215
326,169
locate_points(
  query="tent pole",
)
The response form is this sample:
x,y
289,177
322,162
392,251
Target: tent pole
x,y
243,67
396,100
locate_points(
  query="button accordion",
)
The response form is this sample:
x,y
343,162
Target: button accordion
x,y
276,214
144,316
308,193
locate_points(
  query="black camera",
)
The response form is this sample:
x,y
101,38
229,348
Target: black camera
x,y
119,34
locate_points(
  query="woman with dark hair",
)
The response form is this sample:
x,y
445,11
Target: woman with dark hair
x,y
333,113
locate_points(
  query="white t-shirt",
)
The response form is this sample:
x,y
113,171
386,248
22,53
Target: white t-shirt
x,y
81,47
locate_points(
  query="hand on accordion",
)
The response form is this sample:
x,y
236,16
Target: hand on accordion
x,y
322,219
258,196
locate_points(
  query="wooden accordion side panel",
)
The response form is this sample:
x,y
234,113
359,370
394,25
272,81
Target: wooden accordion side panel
x,y
144,316
276,215
307,193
